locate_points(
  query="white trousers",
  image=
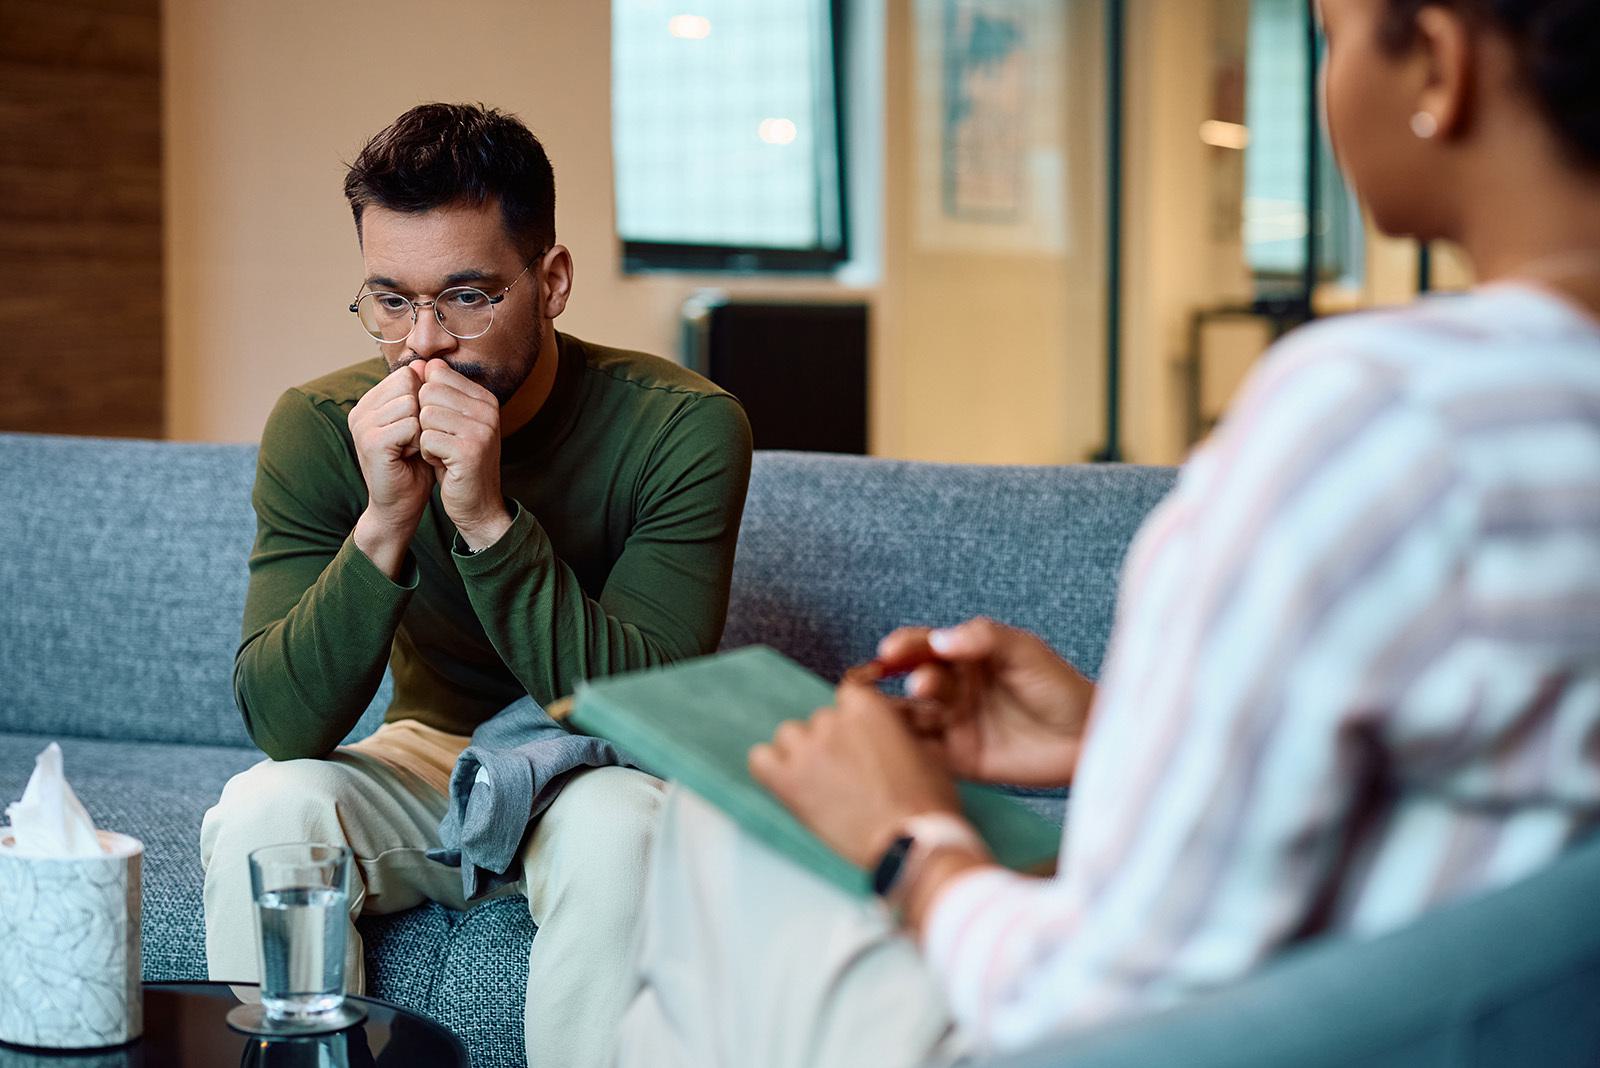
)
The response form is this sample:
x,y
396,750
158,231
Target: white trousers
x,y
383,797
748,960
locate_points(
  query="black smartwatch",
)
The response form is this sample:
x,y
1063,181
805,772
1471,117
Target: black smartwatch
x,y
920,837
892,863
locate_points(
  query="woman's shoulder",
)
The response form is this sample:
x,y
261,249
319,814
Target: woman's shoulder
x,y
1445,350
1490,322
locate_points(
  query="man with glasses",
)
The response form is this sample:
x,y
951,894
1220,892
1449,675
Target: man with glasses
x,y
489,509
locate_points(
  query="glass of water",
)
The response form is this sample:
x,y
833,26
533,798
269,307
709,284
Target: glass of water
x,y
301,893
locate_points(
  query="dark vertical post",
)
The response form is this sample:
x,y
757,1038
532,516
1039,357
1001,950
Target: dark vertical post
x,y
1424,267
1313,266
843,50
1112,451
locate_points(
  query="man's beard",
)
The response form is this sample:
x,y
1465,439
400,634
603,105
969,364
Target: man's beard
x,y
503,382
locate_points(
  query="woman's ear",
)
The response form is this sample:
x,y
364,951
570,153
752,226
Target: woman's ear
x,y
1444,42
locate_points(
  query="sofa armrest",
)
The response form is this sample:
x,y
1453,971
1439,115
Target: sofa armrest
x,y
1508,978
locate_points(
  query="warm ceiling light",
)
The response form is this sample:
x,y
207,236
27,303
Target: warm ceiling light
x,y
1224,134
689,27
777,131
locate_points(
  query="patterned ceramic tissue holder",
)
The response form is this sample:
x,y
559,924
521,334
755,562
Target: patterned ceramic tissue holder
x,y
69,946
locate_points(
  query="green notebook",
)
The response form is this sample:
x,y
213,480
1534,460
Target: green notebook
x,y
695,722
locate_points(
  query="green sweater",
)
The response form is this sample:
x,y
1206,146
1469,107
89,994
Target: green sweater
x,y
626,492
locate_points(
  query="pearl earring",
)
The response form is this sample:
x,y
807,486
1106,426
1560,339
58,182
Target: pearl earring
x,y
1424,125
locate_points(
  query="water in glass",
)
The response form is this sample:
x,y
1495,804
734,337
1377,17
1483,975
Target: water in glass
x,y
302,950
301,893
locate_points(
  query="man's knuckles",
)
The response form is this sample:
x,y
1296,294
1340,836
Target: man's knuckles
x,y
442,421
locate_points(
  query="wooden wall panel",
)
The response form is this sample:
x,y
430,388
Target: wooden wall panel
x,y
80,216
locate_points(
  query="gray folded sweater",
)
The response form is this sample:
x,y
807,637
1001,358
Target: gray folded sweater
x,y
503,781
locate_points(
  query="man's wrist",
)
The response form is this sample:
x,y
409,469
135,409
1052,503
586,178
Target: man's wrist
x,y
481,534
383,542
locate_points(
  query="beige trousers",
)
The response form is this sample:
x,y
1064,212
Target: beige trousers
x,y
383,797
748,960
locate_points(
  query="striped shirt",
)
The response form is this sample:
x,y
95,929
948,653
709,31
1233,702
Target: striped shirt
x,y
1355,672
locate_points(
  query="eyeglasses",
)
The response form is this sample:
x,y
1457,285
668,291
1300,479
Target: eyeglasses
x,y
465,312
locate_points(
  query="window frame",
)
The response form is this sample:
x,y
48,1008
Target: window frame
x,y
646,257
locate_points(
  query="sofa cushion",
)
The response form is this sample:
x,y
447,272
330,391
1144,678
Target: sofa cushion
x,y
468,970
835,552
122,580
126,566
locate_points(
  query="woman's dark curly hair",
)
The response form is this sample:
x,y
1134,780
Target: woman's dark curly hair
x,y
1558,48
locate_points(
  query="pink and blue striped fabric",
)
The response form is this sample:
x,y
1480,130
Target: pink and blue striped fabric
x,y
1354,674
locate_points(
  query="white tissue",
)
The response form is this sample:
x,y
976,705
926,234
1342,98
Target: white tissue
x,y
50,821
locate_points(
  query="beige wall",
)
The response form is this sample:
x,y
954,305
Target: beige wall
x,y
975,357
1170,261
994,356
264,100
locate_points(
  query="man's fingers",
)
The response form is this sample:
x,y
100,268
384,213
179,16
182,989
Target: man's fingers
x,y
395,409
467,434
395,436
392,399
449,421
397,383
438,448
484,408
439,373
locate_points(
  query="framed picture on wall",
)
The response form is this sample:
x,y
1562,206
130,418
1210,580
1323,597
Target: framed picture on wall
x,y
988,107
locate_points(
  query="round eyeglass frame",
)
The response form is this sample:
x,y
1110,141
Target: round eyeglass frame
x,y
438,315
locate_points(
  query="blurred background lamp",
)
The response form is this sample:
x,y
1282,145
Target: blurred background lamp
x,y
689,27
777,131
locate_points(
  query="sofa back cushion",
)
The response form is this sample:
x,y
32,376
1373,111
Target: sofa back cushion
x,y
123,570
122,580
122,577
835,552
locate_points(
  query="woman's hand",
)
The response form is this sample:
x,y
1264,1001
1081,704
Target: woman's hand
x,y
855,773
997,702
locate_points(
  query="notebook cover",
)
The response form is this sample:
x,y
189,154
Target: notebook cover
x,y
695,722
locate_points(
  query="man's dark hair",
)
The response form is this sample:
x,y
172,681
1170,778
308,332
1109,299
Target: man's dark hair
x,y
439,154
1558,50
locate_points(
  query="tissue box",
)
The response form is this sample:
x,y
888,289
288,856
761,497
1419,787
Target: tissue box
x,y
69,946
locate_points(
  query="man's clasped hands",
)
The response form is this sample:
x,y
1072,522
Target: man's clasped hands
x,y
427,424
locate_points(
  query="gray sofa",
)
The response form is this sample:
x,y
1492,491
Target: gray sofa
x,y
122,576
